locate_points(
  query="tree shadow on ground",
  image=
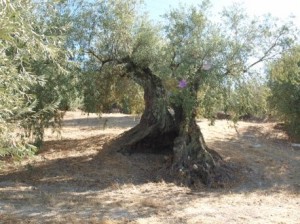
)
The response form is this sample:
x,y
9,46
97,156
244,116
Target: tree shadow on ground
x,y
266,160
77,176
76,181
84,172
262,164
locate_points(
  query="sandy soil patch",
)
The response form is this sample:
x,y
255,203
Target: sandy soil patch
x,y
78,177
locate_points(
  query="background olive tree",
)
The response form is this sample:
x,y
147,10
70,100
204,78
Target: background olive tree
x,y
284,82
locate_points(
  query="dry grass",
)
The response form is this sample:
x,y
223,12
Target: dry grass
x,y
80,178
151,203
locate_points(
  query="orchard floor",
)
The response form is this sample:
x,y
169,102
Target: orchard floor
x,y
79,177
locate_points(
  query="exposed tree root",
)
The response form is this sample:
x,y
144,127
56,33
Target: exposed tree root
x,y
206,168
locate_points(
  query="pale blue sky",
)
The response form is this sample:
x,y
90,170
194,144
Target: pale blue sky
x,y
278,8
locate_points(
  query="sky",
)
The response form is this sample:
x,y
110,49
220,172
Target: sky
x,y
278,8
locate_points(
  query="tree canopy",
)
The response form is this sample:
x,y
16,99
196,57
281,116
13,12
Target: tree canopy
x,y
181,49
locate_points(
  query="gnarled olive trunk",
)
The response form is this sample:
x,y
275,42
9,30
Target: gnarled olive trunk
x,y
159,131
193,160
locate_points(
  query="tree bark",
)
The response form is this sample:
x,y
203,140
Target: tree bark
x,y
193,160
159,132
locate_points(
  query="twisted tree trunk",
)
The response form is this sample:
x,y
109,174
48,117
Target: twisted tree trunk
x,y
193,160
159,132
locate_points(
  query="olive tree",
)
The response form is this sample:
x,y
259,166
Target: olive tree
x,y
32,61
284,82
172,64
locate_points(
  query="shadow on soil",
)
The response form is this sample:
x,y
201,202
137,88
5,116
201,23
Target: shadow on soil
x,y
266,162
87,172
263,164
70,183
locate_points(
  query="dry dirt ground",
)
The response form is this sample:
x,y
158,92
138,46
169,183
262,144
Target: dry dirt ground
x,y
79,177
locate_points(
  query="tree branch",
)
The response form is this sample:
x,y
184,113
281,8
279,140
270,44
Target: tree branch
x,y
103,61
261,59
266,54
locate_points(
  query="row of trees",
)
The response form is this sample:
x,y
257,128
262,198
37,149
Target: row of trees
x,y
106,52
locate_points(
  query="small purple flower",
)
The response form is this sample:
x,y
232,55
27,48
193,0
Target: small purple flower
x,y
182,84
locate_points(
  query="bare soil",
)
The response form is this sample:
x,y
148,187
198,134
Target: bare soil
x,y
79,177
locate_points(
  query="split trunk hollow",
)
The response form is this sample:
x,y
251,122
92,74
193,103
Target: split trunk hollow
x,y
157,130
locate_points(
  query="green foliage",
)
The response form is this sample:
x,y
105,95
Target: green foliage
x,y
248,98
104,33
245,96
105,90
16,46
218,60
284,83
147,45
32,74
